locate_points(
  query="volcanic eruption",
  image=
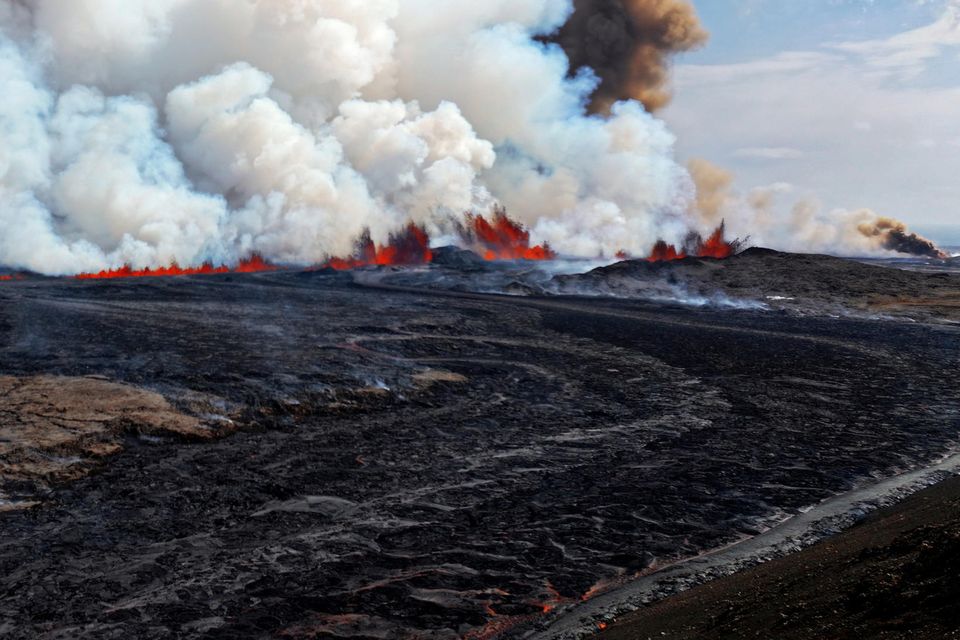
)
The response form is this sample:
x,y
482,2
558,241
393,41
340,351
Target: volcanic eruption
x,y
716,245
432,446
502,239
499,239
300,130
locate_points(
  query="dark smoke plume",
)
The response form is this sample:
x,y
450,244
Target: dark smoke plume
x,y
896,237
628,43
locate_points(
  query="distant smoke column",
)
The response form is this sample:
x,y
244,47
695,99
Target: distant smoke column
x,y
895,236
628,44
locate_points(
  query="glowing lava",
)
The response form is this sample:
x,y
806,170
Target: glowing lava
x,y
499,624
714,246
503,239
409,247
254,264
663,252
717,245
497,238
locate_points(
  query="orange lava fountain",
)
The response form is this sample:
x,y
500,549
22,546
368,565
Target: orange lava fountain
x,y
409,247
254,264
503,239
715,245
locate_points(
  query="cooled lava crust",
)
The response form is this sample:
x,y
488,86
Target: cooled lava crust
x,y
433,464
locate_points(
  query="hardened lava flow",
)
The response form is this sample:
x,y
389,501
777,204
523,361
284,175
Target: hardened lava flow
x,y
331,459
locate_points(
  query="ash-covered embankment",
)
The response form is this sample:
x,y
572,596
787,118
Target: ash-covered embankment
x,y
896,576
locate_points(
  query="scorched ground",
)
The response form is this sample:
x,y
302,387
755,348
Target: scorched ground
x,y
388,464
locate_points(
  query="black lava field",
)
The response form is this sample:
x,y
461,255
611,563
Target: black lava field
x,y
415,463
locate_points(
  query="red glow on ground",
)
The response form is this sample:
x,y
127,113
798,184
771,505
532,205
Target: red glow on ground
x,y
498,624
504,239
553,598
254,264
409,247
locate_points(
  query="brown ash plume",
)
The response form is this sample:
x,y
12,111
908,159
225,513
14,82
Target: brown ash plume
x,y
628,43
894,236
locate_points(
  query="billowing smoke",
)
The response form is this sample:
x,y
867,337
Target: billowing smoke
x,y
145,132
628,44
805,227
895,236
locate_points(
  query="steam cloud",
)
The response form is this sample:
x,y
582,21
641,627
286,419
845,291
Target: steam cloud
x,y
146,132
628,44
806,227
143,132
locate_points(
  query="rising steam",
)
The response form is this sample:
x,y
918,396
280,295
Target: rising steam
x,y
152,132
805,228
146,132
628,44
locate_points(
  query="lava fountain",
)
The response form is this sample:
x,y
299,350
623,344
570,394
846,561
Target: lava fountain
x,y
408,247
502,239
715,245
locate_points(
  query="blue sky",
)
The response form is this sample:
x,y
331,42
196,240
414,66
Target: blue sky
x,y
855,103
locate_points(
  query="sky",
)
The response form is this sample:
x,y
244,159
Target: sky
x,y
853,102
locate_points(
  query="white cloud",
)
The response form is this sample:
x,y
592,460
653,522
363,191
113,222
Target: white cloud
x,y
865,141
786,62
908,53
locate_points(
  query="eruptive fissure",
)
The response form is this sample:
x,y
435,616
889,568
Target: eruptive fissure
x,y
716,245
254,264
498,239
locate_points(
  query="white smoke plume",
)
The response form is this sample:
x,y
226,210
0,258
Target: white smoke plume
x,y
803,226
146,132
